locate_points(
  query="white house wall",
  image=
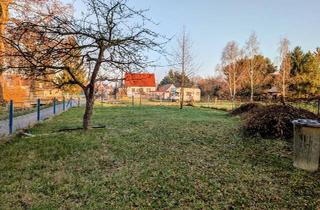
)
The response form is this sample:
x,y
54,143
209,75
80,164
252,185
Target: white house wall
x,y
136,90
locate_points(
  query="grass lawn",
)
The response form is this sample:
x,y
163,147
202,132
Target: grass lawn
x,y
151,158
220,105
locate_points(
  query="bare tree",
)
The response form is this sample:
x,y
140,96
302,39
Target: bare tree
x,y
109,39
183,59
285,65
230,55
252,50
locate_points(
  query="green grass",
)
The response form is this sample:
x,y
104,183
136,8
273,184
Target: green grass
x,y
151,158
219,105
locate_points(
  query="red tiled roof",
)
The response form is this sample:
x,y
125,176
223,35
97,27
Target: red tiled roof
x,y
140,80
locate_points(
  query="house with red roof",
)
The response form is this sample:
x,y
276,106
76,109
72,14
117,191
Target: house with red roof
x,y
139,83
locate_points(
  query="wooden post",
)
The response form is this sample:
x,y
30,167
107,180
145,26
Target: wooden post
x,y
132,100
319,109
11,112
54,106
140,100
78,101
38,110
64,104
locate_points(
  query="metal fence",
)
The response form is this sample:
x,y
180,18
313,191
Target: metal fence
x,y
18,117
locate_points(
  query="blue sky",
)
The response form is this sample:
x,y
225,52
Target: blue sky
x,y
212,23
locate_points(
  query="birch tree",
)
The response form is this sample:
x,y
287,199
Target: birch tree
x,y
229,58
285,65
252,50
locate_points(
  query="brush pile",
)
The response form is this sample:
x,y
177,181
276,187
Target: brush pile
x,y
245,108
274,121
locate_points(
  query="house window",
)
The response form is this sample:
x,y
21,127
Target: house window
x,y
148,90
133,90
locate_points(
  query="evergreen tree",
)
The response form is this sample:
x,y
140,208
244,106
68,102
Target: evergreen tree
x,y
304,72
175,77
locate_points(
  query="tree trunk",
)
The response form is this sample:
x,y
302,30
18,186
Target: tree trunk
x,y
251,82
252,90
1,93
89,109
234,86
230,85
182,89
181,97
284,85
183,73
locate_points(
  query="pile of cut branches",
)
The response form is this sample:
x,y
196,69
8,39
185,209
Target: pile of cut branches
x,y
245,108
274,121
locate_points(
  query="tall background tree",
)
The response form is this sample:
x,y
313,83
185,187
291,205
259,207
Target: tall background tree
x,y
304,73
263,68
183,59
285,65
109,39
230,56
252,49
212,86
175,77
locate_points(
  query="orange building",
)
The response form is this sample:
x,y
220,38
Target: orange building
x,y
24,92
13,88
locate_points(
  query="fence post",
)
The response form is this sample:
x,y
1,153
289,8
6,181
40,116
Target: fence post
x,y
140,100
68,103
319,108
11,117
132,100
78,101
54,106
64,104
38,109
